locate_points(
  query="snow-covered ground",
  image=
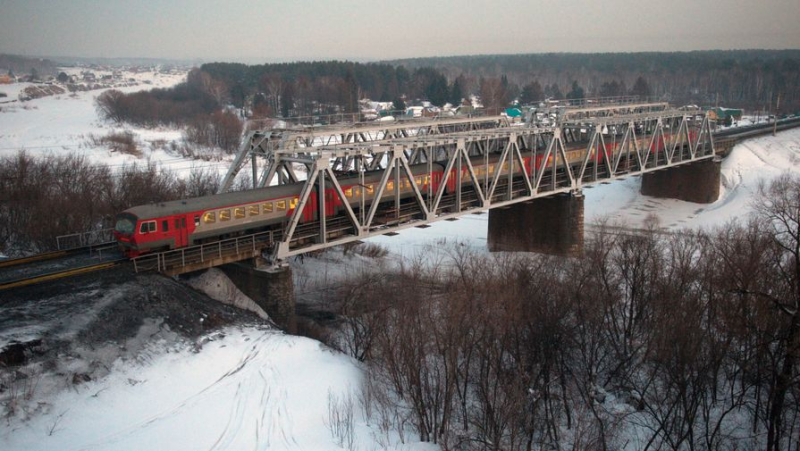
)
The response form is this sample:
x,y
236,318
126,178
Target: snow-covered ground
x,y
244,389
241,387
65,123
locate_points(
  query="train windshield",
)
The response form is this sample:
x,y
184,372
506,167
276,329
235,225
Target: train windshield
x,y
125,224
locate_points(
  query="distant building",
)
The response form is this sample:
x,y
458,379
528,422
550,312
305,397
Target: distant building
x,y
722,114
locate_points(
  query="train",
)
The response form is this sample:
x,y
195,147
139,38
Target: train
x,y
183,223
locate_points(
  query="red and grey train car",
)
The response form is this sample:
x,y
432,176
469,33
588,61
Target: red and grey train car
x,y
182,223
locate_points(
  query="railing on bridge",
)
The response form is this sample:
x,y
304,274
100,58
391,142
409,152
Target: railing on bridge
x,y
193,258
76,240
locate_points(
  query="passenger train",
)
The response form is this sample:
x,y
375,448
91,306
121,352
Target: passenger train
x,y
182,223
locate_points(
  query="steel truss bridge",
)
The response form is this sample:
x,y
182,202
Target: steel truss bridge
x,y
631,132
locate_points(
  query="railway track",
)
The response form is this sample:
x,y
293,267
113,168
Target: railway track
x,y
7,263
55,265
60,274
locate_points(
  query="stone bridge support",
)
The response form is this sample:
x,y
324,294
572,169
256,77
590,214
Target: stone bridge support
x,y
696,182
272,290
549,225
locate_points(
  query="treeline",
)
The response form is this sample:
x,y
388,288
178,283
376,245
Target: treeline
x,y
740,78
327,87
42,198
682,342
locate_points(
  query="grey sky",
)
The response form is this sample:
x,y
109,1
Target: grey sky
x,y
380,29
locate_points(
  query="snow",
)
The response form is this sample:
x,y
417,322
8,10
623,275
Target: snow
x,y
64,123
244,389
216,285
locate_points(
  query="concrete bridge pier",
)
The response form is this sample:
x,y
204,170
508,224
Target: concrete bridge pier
x,y
549,225
272,290
695,182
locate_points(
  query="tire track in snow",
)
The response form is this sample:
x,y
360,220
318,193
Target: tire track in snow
x,y
264,341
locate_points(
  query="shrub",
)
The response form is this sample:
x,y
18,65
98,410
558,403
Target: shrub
x,y
221,129
122,142
174,106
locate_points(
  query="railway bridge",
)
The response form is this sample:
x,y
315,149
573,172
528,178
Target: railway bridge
x,y
528,175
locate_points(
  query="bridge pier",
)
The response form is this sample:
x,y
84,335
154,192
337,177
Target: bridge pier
x,y
272,290
549,225
696,182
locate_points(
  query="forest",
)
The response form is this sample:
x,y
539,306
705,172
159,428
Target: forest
x,y
754,79
739,78
650,341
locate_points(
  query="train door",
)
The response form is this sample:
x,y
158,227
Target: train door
x,y
181,232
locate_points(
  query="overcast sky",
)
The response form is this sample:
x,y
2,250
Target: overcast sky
x,y
253,30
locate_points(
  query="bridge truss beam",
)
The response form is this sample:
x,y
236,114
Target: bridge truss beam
x,y
618,146
258,146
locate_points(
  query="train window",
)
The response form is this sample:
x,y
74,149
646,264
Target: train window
x,y
254,210
491,168
390,186
177,223
164,226
370,189
147,227
183,222
196,221
224,215
348,192
418,181
293,202
210,217
238,212
281,205
268,207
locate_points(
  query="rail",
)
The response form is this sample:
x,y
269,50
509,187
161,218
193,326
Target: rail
x,y
60,274
203,253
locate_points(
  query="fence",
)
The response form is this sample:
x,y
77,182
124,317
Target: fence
x,y
76,240
205,254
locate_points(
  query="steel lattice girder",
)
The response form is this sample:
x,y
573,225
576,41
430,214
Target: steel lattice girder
x,y
261,145
454,147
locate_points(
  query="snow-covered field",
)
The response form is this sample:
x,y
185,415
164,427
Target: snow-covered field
x,y
256,388
64,123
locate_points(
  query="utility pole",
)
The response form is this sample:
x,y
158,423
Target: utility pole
x,y
775,121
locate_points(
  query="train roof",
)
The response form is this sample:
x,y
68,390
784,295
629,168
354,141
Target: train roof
x,y
177,207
